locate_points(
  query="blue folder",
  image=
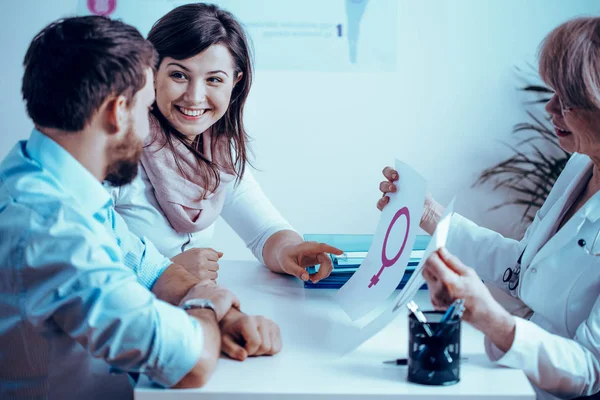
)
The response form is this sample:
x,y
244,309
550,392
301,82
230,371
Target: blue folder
x,y
355,248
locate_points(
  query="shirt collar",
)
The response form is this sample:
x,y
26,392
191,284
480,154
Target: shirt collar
x,y
74,177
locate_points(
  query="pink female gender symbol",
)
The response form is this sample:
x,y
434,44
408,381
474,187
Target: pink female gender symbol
x,y
384,260
101,7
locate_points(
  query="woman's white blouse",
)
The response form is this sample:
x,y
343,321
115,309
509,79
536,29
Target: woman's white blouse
x,y
246,209
557,342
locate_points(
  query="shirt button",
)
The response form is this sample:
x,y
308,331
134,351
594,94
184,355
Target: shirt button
x,y
533,270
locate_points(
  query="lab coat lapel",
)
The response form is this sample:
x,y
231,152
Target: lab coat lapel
x,y
546,245
593,208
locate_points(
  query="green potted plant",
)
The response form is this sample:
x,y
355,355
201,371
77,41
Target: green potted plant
x,y
536,163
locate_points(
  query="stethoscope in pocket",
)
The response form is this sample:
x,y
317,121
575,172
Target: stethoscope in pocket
x,y
592,251
511,276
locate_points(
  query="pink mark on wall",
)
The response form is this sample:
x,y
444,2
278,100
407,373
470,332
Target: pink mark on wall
x,y
384,260
102,7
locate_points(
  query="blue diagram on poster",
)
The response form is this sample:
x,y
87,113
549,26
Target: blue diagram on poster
x,y
311,35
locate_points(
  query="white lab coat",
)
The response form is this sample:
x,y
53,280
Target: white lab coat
x,y
557,344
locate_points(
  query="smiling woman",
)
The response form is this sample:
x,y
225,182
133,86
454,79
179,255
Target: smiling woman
x,y
570,65
203,79
195,93
194,162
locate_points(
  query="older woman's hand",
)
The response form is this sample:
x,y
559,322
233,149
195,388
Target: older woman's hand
x,y
449,279
432,211
387,186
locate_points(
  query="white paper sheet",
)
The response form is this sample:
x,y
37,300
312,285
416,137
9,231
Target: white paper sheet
x,y
439,239
388,256
355,337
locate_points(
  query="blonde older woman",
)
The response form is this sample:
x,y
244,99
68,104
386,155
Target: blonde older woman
x,y
555,269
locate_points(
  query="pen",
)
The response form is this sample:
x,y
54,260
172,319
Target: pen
x,y
397,361
460,309
404,361
454,312
449,312
414,308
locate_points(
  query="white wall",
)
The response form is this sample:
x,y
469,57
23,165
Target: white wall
x,y
321,139
19,22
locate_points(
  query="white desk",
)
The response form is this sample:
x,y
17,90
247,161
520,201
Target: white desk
x,y
300,371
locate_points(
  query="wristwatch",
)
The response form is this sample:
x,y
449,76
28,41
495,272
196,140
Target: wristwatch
x,y
192,304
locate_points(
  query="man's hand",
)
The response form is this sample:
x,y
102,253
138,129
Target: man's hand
x,y
222,298
246,336
294,259
202,263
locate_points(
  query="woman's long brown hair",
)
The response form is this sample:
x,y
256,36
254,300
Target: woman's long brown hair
x,y
185,32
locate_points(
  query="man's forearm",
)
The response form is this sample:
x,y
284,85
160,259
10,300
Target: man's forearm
x,y
173,284
211,350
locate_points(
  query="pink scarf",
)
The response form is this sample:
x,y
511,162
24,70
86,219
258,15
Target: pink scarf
x,y
182,200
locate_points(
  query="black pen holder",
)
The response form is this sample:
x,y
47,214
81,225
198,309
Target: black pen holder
x,y
434,360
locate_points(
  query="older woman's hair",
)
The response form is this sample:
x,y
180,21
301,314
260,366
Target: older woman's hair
x,y
570,62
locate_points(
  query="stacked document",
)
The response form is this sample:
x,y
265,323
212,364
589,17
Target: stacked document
x,y
355,249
